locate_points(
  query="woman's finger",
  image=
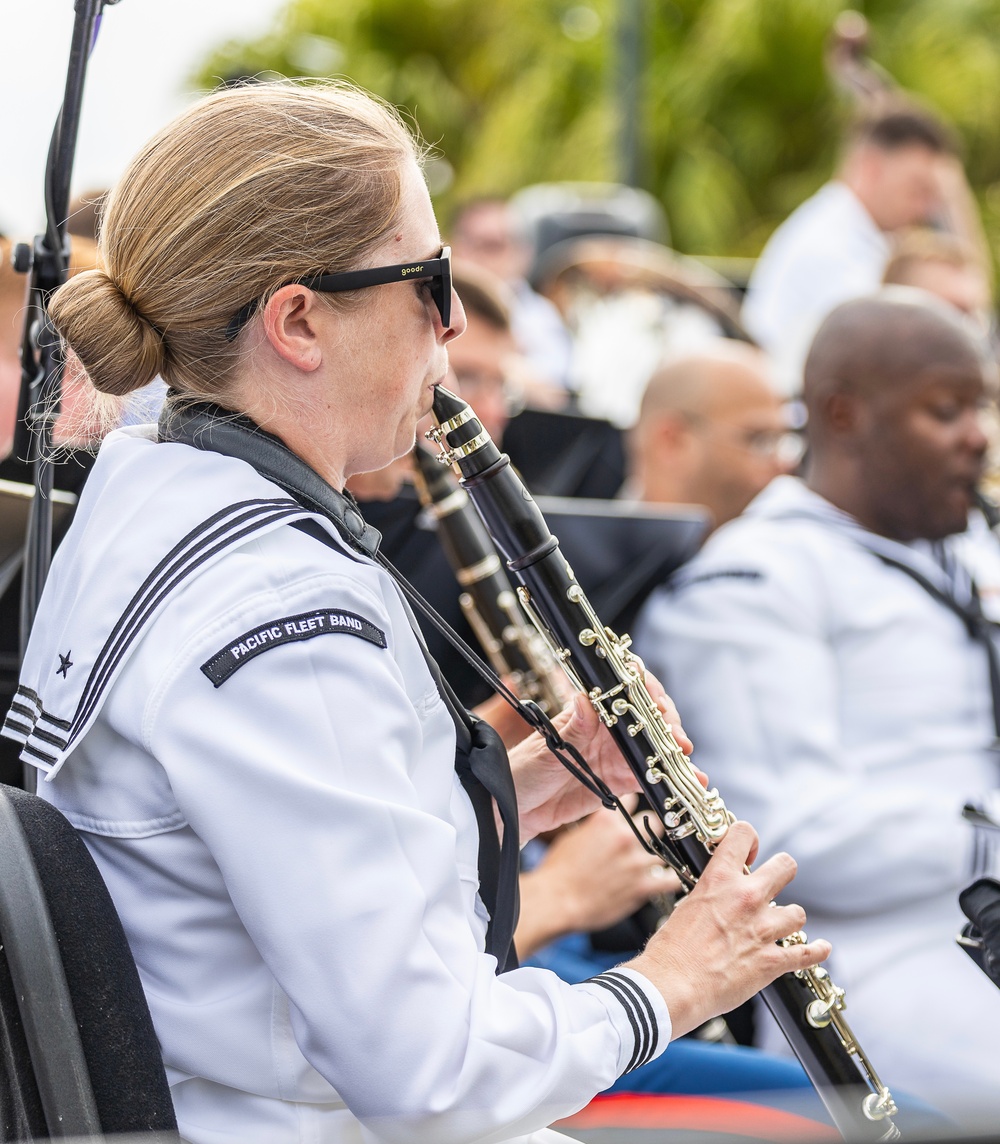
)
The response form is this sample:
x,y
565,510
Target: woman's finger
x,y
782,921
774,875
671,717
806,956
736,850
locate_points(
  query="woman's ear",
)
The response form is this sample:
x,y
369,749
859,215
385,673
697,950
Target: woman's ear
x,y
292,322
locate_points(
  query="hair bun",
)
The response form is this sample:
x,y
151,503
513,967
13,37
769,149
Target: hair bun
x,y
119,348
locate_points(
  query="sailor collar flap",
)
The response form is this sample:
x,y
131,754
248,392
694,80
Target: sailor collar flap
x,y
77,650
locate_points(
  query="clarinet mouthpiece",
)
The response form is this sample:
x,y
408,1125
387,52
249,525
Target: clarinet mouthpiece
x,y
446,404
460,435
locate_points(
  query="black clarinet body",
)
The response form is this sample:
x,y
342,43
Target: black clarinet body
x,y
488,600
807,1006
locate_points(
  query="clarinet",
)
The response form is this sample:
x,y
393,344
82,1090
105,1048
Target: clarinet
x,y
807,1005
513,647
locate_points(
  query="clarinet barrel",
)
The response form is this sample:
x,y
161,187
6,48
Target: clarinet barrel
x,y
807,1005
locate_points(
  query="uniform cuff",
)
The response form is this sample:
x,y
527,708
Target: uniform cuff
x,y
645,1022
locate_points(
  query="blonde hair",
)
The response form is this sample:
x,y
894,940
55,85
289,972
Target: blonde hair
x,y
82,411
246,190
916,247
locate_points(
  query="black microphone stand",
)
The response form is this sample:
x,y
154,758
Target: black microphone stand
x,y
47,262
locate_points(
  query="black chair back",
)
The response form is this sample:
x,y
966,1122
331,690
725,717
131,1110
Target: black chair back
x,y
78,1054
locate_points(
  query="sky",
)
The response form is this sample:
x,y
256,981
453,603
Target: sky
x,y
136,80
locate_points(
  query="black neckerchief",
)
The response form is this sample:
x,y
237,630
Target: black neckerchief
x,y
481,761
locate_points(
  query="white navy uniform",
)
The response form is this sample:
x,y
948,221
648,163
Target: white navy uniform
x,y
847,714
829,250
258,759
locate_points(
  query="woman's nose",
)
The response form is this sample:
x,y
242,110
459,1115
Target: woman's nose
x,y
458,320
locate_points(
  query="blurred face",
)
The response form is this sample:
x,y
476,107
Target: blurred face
x,y
479,359
902,186
394,351
963,287
921,447
741,444
485,236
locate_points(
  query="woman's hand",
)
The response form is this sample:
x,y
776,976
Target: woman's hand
x,y
548,796
718,948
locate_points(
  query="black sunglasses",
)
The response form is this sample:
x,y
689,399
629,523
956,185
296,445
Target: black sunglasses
x,y
437,270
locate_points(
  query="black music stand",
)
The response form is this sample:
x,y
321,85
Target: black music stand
x,y
566,454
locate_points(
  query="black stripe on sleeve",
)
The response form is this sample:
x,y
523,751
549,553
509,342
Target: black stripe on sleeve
x,y
13,726
635,1016
32,696
227,527
30,750
62,724
46,737
636,991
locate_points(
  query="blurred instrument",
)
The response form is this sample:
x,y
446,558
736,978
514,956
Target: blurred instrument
x,y
629,303
850,67
807,1005
513,647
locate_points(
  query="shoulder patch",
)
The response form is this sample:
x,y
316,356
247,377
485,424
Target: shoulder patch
x,y
289,629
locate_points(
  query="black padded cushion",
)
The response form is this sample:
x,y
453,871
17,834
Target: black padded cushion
x,y
21,1113
120,1046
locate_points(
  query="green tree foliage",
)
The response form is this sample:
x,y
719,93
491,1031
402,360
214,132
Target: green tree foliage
x,y
739,121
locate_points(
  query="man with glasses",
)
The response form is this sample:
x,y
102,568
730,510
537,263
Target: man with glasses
x,y
711,431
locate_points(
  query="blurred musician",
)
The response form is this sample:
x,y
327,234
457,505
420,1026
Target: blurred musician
x,y
944,265
835,246
630,304
12,299
485,234
711,431
486,361
76,422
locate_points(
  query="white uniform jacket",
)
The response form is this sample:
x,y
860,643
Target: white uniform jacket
x,y
259,761
846,713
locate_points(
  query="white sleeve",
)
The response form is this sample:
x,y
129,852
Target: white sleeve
x,y
308,775
744,653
